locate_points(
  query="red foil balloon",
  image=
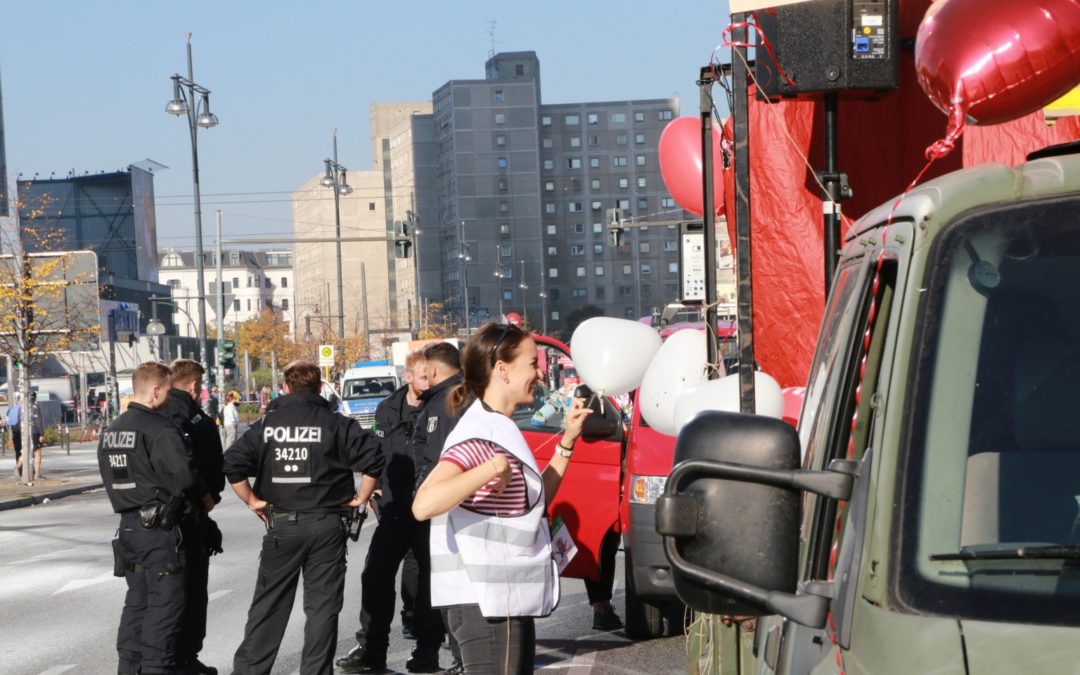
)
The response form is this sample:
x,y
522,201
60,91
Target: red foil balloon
x,y
990,61
681,164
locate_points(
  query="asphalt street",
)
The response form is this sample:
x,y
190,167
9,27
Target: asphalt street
x,y
61,604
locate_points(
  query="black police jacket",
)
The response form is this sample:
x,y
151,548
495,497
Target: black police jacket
x,y
143,458
433,424
302,455
203,436
394,420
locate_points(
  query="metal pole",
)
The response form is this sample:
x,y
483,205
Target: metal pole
x,y
337,235
363,295
741,125
273,370
114,391
247,371
416,268
706,85
199,275
543,301
464,275
832,184
220,379
157,340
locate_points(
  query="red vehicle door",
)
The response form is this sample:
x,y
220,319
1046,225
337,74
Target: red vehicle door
x,y
588,499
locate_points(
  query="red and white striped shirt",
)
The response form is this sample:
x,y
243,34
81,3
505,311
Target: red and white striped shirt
x,y
513,500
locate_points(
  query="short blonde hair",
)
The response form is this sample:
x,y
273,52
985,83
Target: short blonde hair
x,y
148,374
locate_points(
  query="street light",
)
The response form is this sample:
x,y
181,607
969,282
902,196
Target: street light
x,y
524,287
500,277
184,103
336,178
464,257
543,303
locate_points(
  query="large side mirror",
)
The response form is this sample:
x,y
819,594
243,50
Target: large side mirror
x,y
730,517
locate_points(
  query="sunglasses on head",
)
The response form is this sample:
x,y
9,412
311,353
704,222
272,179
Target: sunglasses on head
x,y
495,349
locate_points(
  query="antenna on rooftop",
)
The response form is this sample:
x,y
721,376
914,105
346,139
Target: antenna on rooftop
x,y
491,35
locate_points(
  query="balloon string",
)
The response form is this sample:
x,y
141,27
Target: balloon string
x,y
765,42
953,132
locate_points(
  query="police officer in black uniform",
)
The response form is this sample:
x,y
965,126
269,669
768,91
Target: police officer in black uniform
x,y
202,538
147,468
302,455
393,538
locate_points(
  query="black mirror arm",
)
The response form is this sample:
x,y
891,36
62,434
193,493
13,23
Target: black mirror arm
x,y
809,610
836,483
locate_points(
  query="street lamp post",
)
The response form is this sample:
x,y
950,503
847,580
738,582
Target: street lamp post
x,y
524,288
463,256
543,303
199,115
499,275
336,178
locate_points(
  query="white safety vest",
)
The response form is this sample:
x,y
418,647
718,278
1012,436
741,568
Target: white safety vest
x,y
503,564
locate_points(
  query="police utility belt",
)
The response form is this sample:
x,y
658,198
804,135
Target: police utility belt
x,y
351,519
161,514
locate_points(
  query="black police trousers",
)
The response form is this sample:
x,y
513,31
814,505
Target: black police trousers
x,y
312,544
154,605
394,536
193,528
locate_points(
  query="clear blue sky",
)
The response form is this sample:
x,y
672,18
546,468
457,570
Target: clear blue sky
x,y
85,83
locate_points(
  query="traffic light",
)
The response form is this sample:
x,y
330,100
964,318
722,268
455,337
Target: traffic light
x,y
402,243
227,349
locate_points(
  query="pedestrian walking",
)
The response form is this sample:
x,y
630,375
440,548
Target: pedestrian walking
x,y
394,539
230,417
302,456
147,468
491,556
37,435
16,432
202,538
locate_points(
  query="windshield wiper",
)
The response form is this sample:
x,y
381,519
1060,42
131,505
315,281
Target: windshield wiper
x,y
1054,552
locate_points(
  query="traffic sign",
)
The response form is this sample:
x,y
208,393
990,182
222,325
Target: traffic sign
x,y
326,356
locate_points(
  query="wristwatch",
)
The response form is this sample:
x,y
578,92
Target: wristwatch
x,y
563,450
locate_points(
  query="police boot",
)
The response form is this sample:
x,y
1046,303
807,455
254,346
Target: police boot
x,y
359,660
195,667
424,660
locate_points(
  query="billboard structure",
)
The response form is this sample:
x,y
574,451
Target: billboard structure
x,y
49,303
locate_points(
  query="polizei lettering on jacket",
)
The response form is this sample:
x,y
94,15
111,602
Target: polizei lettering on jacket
x,y
293,434
119,440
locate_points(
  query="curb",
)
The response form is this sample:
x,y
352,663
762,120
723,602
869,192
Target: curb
x,y
38,499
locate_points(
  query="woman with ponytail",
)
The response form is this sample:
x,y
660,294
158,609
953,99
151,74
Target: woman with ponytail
x,y
491,562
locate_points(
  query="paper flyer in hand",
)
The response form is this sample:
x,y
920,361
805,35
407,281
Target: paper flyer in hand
x,y
563,548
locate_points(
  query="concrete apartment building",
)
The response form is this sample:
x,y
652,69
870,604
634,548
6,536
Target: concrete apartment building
x,y
253,280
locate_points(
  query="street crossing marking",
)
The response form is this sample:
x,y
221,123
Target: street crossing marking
x,y
218,594
76,584
56,670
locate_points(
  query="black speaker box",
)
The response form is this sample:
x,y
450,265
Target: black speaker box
x,y
829,45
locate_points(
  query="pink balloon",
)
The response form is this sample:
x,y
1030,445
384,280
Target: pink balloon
x,y
681,164
991,61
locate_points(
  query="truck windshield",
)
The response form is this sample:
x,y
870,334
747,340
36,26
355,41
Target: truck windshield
x,y
990,519
368,387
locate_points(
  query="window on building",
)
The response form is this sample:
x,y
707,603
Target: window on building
x,y
624,183
547,143
501,161
501,184
594,184
627,269
618,160
620,139
500,118
626,291
549,207
646,268
504,228
553,251
371,206
598,271
498,94
500,140
504,250
236,282
284,304
641,182
593,118
579,271
553,272
554,316
575,184
575,207
670,245
598,249
519,69
642,204
594,141
234,258
663,115
504,207
577,249
646,290
553,293
575,141
579,228
266,282
573,162
249,304
284,282
173,283
645,247
639,116
618,118
552,230
594,162
598,228
549,164
549,186
236,305
673,268
601,293
571,120
172,260
640,160
545,121
250,283
596,205
671,290
624,204
628,312
639,139
667,203
579,293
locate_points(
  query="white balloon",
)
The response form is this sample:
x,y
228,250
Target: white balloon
x,y
677,366
611,355
723,394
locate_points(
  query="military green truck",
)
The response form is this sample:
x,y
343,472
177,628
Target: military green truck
x,y
925,517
